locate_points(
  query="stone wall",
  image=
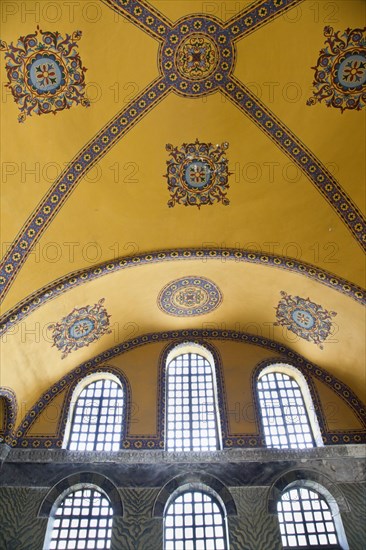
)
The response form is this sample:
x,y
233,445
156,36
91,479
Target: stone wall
x,y
249,477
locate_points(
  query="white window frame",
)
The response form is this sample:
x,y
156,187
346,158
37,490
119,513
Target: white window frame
x,y
61,497
84,382
299,378
198,349
202,488
331,501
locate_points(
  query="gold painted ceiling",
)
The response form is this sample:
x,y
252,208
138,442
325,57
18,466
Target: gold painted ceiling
x,y
85,215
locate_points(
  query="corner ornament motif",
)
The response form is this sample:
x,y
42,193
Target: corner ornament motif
x,y
45,73
197,174
80,328
304,318
340,74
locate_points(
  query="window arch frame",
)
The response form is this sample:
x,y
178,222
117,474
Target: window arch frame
x,y
293,372
197,348
81,479
62,497
76,391
200,487
334,508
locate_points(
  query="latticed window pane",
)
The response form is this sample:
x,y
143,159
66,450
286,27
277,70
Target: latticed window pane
x,y
194,521
98,418
284,416
191,423
306,520
83,520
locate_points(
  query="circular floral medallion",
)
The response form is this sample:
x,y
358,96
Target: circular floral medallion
x,y
197,174
189,296
303,318
340,73
46,73
81,327
350,71
197,57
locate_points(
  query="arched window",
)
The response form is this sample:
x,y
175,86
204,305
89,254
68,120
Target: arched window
x,y
191,405
96,415
309,518
285,403
81,518
195,520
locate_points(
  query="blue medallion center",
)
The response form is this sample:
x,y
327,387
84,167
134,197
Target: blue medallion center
x,y
197,174
352,71
303,318
46,74
81,328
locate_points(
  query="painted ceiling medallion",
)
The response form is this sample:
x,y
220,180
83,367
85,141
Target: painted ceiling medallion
x,y
197,174
189,296
340,75
197,56
80,328
45,73
304,318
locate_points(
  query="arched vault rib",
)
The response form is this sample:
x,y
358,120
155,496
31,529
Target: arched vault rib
x,y
80,277
147,18
60,191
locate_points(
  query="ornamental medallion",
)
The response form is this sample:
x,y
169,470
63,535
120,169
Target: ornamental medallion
x,y
189,296
340,75
305,318
197,57
45,73
197,174
80,328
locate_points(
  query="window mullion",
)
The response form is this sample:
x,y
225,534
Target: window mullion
x,y
99,415
283,413
303,516
190,400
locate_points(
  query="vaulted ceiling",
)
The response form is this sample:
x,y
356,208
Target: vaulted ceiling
x,y
86,228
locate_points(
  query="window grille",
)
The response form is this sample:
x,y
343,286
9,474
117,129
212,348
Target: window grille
x,y
191,418
306,520
98,418
284,416
83,520
195,521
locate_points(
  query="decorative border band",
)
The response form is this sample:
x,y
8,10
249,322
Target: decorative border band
x,y
156,24
55,198
150,21
80,277
293,147
10,412
198,336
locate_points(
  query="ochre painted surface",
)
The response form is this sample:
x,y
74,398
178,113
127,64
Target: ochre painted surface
x,y
338,414
47,421
120,207
141,367
30,363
